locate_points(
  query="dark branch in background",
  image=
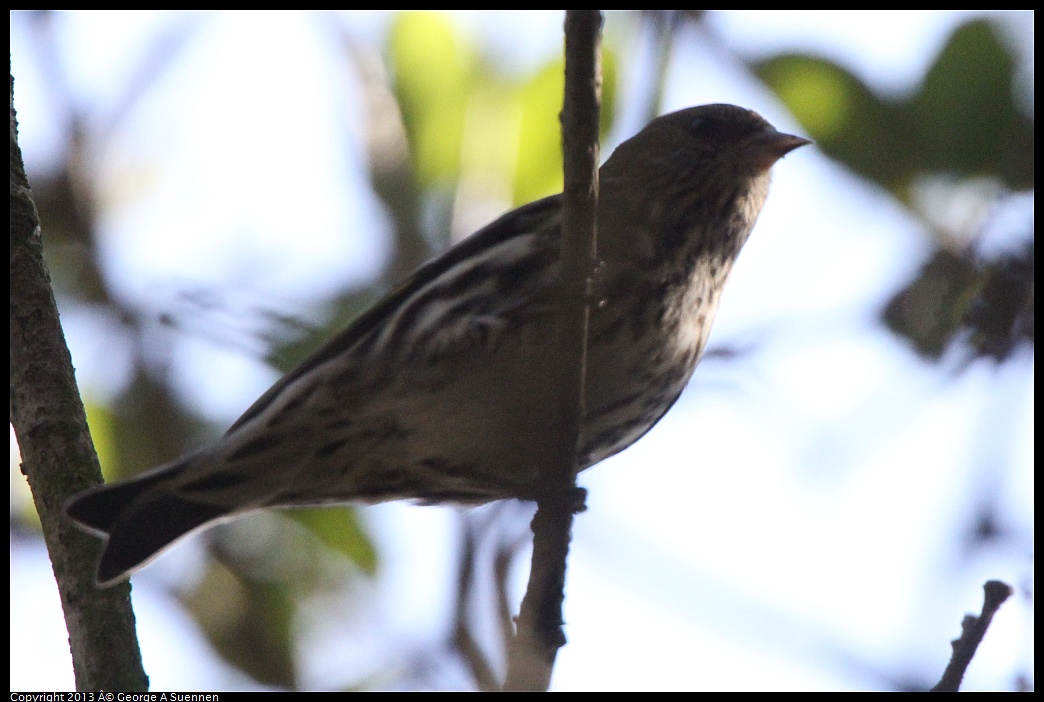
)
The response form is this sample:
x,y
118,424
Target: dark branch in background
x,y
486,530
973,629
58,456
463,640
540,621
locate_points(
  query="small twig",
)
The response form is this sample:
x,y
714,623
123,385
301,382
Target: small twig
x,y
463,640
540,635
974,628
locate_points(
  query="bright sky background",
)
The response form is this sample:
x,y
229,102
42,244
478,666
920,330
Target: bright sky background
x,y
789,525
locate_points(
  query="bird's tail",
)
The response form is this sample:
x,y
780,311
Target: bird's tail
x,y
139,518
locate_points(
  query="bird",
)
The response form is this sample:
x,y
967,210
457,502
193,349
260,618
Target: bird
x,y
436,394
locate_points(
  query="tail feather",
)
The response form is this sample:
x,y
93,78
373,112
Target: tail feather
x,y
100,508
140,518
149,526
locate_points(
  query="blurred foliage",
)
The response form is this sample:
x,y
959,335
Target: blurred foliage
x,y
985,305
465,117
248,621
248,600
435,71
340,531
453,128
965,118
964,122
469,130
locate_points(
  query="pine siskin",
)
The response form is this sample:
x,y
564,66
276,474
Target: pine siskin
x,y
436,393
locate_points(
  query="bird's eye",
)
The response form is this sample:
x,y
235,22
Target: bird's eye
x,y
698,124
704,126
713,129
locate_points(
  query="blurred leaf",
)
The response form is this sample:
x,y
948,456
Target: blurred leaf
x,y
461,113
248,623
151,426
966,114
538,163
260,570
339,530
103,425
842,115
962,125
987,305
434,72
538,166
1001,317
964,119
930,309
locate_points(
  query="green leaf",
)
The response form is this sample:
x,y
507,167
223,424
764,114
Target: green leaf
x,y
964,120
434,72
842,115
538,166
966,113
248,622
339,530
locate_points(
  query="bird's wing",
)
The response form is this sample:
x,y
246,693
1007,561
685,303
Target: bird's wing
x,y
389,322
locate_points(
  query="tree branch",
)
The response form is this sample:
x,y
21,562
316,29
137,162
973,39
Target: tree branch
x,y
973,629
540,619
58,456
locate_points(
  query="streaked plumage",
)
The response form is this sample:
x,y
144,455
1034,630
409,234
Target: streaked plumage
x,y
436,393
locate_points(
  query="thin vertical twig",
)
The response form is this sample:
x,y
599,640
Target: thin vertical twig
x,y
539,634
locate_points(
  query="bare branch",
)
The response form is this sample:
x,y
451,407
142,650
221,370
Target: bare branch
x,y
540,620
974,628
58,456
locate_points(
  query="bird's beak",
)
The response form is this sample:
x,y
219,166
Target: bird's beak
x,y
773,145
